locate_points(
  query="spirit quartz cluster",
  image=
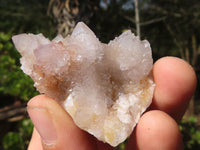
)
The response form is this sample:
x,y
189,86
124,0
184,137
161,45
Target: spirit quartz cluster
x,y
104,87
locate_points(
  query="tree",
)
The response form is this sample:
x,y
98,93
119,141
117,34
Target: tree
x,y
67,13
105,18
182,24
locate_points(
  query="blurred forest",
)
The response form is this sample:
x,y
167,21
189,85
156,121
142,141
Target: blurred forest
x,y
171,26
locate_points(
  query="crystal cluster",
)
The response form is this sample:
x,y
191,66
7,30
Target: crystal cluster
x,y
104,87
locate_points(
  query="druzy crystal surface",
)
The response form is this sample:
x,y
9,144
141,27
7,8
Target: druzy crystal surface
x,y
104,87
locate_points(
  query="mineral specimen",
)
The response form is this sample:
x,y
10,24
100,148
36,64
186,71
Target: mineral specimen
x,y
104,87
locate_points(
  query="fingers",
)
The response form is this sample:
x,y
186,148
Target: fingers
x,y
55,127
155,131
175,83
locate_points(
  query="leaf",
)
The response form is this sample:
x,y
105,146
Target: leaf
x,y
12,141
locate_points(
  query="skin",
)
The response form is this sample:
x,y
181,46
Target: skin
x,y
157,128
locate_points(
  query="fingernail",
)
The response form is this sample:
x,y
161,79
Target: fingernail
x,y
43,124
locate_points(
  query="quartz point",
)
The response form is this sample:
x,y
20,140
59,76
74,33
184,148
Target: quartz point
x,y
104,87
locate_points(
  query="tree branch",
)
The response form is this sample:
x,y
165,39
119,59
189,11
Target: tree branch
x,y
152,21
12,111
146,22
137,18
164,12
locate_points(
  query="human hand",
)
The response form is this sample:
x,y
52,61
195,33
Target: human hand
x,y
157,128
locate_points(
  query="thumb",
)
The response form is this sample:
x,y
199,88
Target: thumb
x,y
35,142
56,129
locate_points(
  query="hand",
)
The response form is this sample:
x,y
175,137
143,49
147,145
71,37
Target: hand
x,y
157,128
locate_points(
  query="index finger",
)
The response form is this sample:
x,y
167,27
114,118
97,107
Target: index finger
x,y
175,83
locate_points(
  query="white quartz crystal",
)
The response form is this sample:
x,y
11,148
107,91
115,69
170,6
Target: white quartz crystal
x,y
104,87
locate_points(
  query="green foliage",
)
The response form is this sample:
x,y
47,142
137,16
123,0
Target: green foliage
x,y
13,81
19,140
12,141
190,133
19,16
121,146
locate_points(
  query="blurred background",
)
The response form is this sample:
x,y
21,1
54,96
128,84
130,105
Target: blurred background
x,y
171,26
